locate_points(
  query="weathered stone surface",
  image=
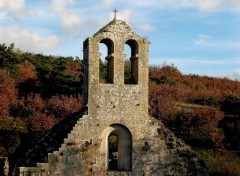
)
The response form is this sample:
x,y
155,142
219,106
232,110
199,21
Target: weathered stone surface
x,y
145,146
4,167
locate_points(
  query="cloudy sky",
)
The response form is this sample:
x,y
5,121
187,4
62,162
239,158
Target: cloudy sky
x,y
198,36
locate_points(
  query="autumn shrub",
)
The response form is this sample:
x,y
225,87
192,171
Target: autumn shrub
x,y
8,93
62,105
161,101
34,104
199,127
41,122
164,71
27,80
75,68
25,71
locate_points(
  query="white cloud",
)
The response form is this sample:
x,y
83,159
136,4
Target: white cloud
x,y
212,5
203,5
26,40
208,5
153,3
234,3
60,5
70,21
15,9
147,27
204,40
106,3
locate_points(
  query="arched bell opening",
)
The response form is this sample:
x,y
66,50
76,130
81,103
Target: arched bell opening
x,y
131,63
106,62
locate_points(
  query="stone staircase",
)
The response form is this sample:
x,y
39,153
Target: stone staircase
x,y
74,135
36,155
69,144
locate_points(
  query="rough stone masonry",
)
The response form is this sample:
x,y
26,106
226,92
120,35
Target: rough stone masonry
x,y
144,146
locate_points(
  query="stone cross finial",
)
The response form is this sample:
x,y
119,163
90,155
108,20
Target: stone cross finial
x,y
115,14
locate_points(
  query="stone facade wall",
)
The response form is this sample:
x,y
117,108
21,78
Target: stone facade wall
x,y
163,154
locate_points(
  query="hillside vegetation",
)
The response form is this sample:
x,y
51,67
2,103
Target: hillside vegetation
x,y
38,91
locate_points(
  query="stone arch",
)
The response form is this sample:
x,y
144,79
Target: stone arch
x,y
124,162
133,62
134,46
110,59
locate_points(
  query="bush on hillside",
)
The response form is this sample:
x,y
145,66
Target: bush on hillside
x,y
198,127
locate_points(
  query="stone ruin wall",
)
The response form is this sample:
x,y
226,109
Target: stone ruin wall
x,y
121,109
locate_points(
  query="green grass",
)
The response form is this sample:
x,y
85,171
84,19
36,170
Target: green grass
x,y
220,163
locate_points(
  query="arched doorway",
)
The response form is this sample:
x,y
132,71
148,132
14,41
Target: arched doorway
x,y
113,152
118,157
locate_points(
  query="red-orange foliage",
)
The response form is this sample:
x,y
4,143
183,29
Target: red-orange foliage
x,y
165,70
191,87
34,104
75,68
161,101
62,106
43,114
41,122
8,93
32,108
26,71
199,125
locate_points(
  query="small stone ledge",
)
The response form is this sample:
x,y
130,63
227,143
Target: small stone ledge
x,y
113,173
41,169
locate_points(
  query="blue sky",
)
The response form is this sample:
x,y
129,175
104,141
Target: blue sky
x,y
198,36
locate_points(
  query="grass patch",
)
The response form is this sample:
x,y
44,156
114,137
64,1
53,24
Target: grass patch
x,y
220,163
188,105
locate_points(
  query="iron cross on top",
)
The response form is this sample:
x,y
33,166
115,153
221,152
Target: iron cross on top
x,y
115,14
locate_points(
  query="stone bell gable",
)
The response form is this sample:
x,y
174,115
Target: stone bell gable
x,y
117,110
115,99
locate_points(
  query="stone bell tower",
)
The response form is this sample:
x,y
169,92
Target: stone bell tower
x,y
115,106
115,99
119,110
